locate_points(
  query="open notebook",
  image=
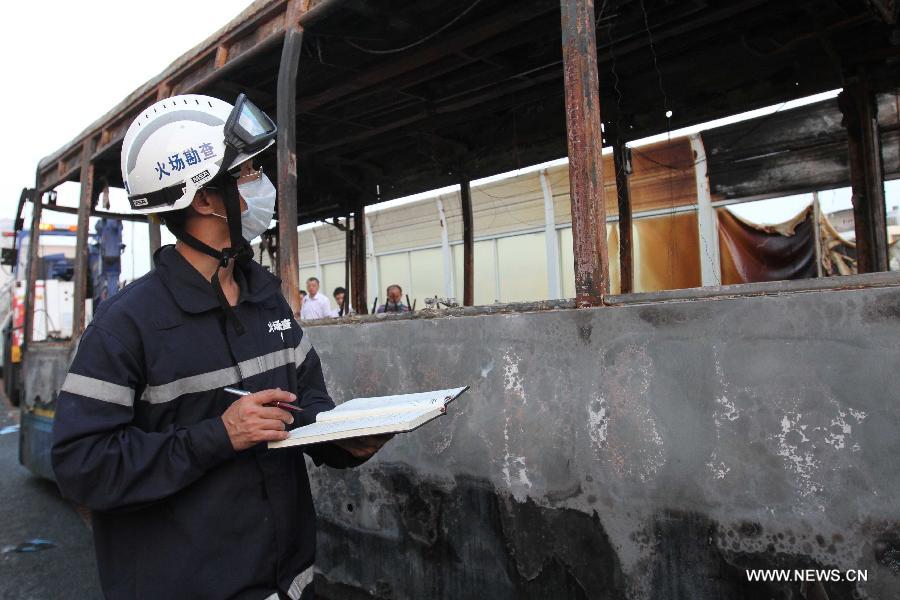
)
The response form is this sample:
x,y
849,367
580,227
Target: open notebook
x,y
373,416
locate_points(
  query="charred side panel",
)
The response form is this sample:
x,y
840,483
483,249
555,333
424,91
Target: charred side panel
x,y
639,452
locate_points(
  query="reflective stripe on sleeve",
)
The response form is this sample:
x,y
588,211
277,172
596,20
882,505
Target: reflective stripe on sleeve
x,y
98,389
213,380
302,350
203,382
300,583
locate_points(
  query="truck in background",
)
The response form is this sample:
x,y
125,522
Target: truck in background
x,y
54,291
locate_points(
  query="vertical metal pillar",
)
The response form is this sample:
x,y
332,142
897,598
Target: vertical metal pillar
x,y
85,204
707,220
857,103
621,162
449,284
32,275
286,144
817,233
465,197
318,263
348,262
582,94
554,284
360,298
497,286
370,253
155,234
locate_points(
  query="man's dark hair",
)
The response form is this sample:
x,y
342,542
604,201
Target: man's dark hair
x,y
308,279
394,285
339,290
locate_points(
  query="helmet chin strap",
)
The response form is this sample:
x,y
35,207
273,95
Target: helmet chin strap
x,y
239,250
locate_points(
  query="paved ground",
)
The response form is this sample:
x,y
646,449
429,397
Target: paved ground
x,y
32,508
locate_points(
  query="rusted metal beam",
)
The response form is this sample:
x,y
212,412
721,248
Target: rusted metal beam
x,y
85,205
857,103
71,210
348,263
46,184
33,267
582,93
465,196
288,249
321,10
221,56
622,163
360,297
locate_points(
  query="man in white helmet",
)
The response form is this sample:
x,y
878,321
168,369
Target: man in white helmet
x,y
187,500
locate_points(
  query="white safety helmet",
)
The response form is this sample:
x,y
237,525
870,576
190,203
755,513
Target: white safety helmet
x,y
176,146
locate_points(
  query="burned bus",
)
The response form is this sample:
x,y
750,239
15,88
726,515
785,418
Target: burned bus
x,y
618,442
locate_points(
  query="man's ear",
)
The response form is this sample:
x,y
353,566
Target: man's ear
x,y
203,202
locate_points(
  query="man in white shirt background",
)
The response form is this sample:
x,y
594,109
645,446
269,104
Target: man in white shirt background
x,y
317,305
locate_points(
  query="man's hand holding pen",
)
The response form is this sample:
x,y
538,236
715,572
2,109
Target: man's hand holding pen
x,y
259,417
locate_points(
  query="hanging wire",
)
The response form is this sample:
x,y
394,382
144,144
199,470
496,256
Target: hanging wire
x,y
672,246
418,42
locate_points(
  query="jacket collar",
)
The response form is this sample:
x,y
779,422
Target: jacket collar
x,y
194,294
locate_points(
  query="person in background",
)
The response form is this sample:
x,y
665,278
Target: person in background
x,y
302,297
316,305
339,295
394,303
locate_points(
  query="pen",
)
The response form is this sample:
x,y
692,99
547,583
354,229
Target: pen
x,y
277,404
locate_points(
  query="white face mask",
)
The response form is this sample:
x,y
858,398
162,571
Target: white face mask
x,y
259,195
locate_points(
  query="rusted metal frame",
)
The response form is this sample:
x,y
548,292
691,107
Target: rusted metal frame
x,y
417,77
444,46
72,210
584,137
221,56
186,69
85,205
623,196
231,64
358,271
465,197
348,261
33,245
236,62
286,145
322,9
69,175
857,103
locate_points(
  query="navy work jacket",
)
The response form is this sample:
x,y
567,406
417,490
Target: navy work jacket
x,y
139,439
